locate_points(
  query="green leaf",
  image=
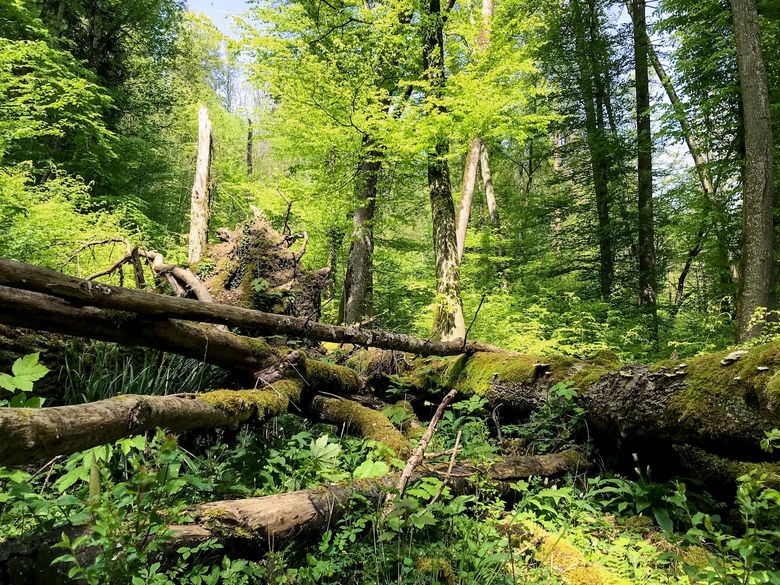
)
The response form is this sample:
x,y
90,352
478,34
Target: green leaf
x,y
371,468
663,519
27,370
8,382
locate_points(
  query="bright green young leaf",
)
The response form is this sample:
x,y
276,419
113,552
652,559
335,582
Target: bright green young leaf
x,y
371,468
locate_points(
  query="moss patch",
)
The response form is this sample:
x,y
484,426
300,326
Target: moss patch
x,y
371,424
731,398
559,555
264,403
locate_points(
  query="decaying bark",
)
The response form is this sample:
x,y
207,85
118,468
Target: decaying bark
x,y
199,209
713,402
31,434
150,306
272,522
255,266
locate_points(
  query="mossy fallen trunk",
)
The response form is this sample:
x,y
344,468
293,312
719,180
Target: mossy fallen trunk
x,y
253,359
32,434
715,402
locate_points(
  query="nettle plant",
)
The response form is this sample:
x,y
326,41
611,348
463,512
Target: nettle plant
x,y
19,383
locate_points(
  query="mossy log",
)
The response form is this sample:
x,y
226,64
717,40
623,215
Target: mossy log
x,y
273,521
712,402
151,306
365,421
254,360
31,434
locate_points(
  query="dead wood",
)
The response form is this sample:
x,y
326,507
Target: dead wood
x,y
32,434
152,306
254,360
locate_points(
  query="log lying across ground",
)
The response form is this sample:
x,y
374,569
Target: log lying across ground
x,y
255,525
273,521
31,434
254,359
155,307
721,404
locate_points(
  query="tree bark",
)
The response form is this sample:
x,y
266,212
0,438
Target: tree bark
x,y
477,156
487,181
152,308
757,263
249,148
714,402
199,208
33,434
449,323
594,134
274,521
357,293
467,194
646,248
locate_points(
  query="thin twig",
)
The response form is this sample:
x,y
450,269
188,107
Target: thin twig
x,y
476,313
449,470
418,454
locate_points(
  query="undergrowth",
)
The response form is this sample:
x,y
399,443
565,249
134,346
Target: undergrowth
x,y
112,506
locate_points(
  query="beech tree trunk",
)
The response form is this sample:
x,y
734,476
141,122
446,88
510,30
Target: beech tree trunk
x,y
199,208
487,182
594,133
757,263
357,294
449,323
646,248
467,194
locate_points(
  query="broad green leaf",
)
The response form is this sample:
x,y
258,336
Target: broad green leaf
x,y
370,468
27,370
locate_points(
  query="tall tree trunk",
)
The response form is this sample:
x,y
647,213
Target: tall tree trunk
x,y
595,137
757,267
356,300
487,180
647,264
249,148
199,209
467,194
448,322
474,157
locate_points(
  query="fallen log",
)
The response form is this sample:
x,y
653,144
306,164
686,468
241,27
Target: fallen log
x,y
274,521
254,359
155,307
31,434
250,527
721,405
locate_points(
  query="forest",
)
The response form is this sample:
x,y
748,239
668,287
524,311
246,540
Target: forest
x,y
389,291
